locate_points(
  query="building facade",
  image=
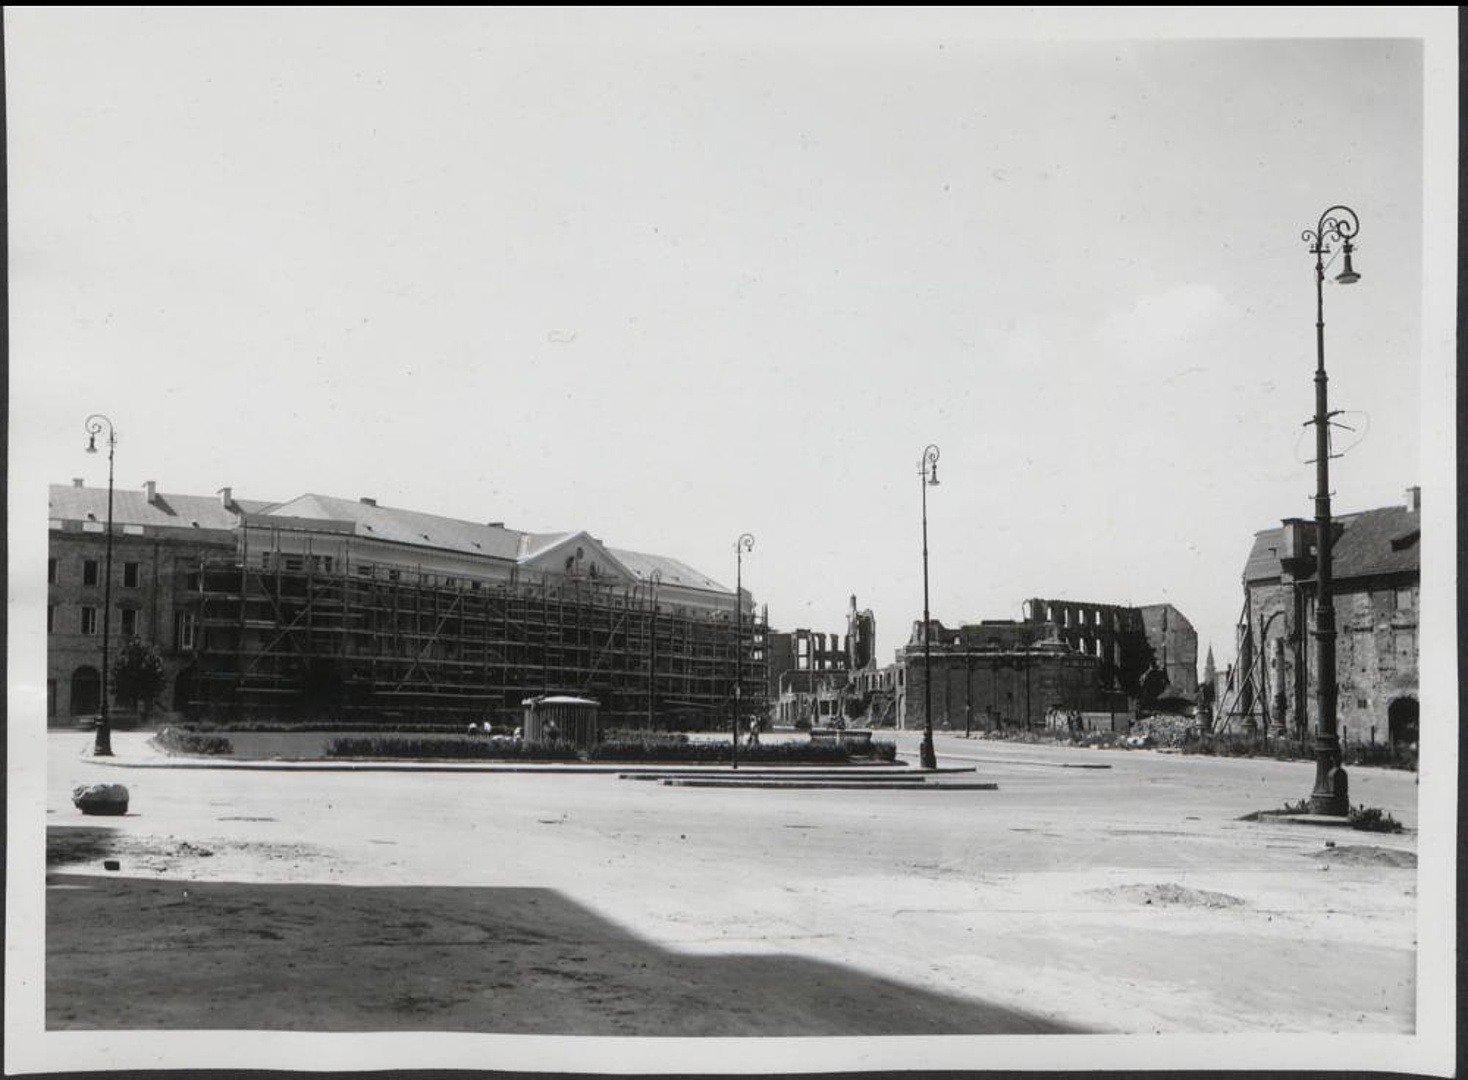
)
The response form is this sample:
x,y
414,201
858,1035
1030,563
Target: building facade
x,y
995,675
1376,592
157,542
332,608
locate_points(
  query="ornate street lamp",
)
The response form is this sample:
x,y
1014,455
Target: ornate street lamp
x,y
654,579
743,544
1338,224
96,424
928,474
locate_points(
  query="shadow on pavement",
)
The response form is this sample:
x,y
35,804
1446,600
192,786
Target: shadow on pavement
x,y
132,953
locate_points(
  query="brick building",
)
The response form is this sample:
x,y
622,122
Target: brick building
x,y
1376,593
996,674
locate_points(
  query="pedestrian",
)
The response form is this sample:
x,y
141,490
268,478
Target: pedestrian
x,y
754,732
552,733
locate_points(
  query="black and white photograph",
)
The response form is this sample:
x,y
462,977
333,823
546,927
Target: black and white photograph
x,y
746,541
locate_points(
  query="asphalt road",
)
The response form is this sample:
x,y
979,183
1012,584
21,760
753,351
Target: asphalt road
x,y
1122,898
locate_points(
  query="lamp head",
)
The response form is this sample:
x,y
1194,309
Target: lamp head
x,y
933,476
1348,275
92,443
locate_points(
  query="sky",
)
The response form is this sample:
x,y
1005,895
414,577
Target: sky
x,y
676,276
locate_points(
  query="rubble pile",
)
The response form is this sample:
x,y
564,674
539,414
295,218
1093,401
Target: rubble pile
x,y
1165,730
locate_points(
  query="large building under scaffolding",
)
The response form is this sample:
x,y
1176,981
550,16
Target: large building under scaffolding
x,y
329,608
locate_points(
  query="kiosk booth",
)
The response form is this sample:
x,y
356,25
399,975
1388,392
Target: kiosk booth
x,y
564,719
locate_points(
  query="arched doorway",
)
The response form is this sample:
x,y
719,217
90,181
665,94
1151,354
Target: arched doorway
x,y
86,691
1401,718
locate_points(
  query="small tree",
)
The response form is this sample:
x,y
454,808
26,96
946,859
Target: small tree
x,y
137,675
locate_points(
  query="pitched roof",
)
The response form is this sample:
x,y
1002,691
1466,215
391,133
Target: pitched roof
x,y
405,526
364,519
71,503
672,571
1383,541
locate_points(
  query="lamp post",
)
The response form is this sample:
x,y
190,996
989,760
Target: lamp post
x,y
96,424
928,474
1338,224
743,544
653,579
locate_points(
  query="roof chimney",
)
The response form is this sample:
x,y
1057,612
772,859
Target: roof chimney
x,y
151,487
365,501
226,498
496,524
76,481
1414,499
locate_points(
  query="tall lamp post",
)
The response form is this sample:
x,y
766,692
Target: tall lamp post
x,y
743,544
96,424
1338,224
653,579
928,474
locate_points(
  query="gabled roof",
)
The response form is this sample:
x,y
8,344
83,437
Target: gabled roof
x,y
1383,541
405,526
535,547
71,503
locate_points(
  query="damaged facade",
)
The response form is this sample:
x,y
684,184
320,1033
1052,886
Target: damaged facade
x,y
818,679
1063,655
1376,592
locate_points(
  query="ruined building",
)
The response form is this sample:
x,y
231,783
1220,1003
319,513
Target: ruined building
x,y
1063,655
818,678
324,607
1376,567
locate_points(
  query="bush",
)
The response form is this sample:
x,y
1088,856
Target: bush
x,y
464,747
643,737
176,741
785,752
884,751
137,675
329,726
1373,819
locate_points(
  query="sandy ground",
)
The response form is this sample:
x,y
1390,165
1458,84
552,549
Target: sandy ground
x,y
1121,899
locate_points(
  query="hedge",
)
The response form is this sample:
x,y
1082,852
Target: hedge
x,y
190,742
457,748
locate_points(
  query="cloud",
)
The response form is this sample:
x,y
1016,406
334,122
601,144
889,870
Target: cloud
x,y
1154,326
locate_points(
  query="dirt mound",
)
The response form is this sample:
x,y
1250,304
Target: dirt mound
x,y
1367,855
1167,894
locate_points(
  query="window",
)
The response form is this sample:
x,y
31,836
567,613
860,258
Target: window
x,y
131,575
89,572
129,622
50,571
89,620
1406,601
50,618
184,630
50,698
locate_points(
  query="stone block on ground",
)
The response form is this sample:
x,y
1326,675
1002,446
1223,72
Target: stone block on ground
x,y
106,799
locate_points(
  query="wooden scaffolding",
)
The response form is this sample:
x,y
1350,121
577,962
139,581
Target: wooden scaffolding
x,y
314,637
